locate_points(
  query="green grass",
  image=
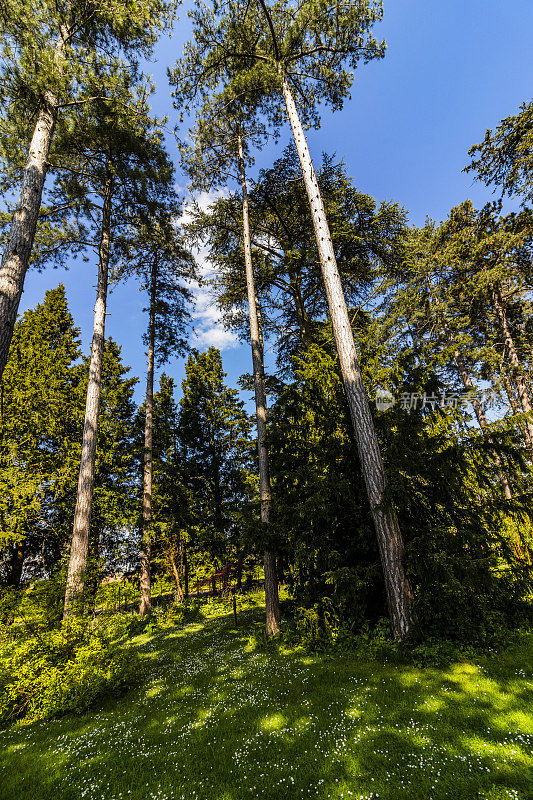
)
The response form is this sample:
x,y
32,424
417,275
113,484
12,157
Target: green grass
x,y
210,718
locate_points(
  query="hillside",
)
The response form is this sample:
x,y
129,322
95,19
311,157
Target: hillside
x,y
213,718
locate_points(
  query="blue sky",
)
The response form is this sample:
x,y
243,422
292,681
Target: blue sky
x,y
452,69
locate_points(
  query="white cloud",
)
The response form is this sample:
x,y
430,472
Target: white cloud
x,y
208,327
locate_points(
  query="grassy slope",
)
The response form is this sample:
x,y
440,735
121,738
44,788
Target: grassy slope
x,y
211,718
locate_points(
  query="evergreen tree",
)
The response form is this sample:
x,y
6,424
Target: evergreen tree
x,y
504,159
120,161
170,512
157,255
215,449
221,143
367,239
39,431
114,511
56,58
261,56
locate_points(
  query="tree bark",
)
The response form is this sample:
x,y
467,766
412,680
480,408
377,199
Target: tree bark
x,y
15,564
271,584
145,585
390,542
185,570
80,535
179,590
238,572
17,252
523,394
511,397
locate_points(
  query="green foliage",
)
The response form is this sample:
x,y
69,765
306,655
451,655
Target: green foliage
x,y
288,281
93,42
247,50
114,508
65,669
171,616
41,418
215,452
504,158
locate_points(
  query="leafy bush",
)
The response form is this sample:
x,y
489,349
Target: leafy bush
x,y
320,628
52,672
260,641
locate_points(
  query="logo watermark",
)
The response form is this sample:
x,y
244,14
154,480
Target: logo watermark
x,y
419,400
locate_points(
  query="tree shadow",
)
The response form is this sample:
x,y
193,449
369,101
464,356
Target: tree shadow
x,y
213,718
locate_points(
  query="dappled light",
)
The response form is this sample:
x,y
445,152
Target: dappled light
x,y
215,719
266,444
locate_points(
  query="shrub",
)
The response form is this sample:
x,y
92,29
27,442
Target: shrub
x,y
52,672
319,628
259,640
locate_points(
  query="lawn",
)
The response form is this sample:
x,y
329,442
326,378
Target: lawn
x,y
211,717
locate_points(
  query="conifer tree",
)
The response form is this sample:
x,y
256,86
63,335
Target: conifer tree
x,y
261,55
170,501
156,254
39,431
114,508
367,239
214,448
56,57
121,161
220,152
504,159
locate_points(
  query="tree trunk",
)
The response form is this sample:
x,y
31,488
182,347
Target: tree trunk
x,y
80,535
483,423
523,395
238,572
185,570
145,586
17,252
511,397
15,564
271,584
398,590
179,591
93,579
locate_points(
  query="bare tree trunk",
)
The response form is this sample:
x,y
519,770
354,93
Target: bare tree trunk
x,y
80,535
483,423
15,564
17,252
146,597
523,394
238,572
185,570
509,391
271,584
179,591
390,542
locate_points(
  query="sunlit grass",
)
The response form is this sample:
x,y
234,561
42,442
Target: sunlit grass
x,y
210,718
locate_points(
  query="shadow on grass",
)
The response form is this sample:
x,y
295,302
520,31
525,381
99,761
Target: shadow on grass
x,y
212,719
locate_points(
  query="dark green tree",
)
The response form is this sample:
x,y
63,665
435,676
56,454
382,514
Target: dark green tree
x,y
39,430
215,450
155,253
114,510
